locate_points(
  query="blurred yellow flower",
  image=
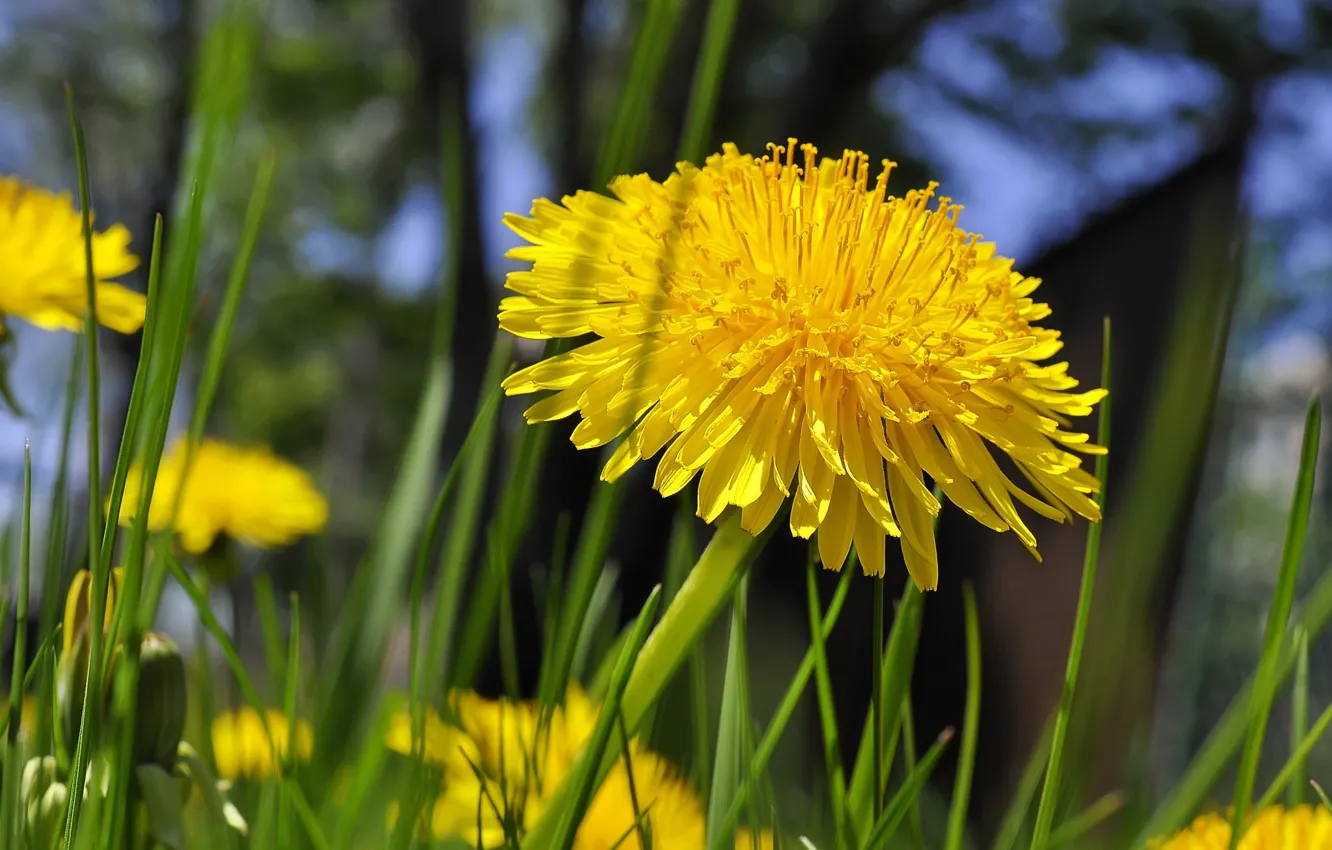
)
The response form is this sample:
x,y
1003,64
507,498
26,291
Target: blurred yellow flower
x,y
42,263
522,757
1301,828
241,747
792,330
744,840
247,492
27,714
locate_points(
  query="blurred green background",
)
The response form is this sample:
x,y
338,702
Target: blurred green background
x,y
1164,164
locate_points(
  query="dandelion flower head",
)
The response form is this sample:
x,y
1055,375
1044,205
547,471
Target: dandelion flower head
x,y
247,493
503,760
782,327
1275,828
43,273
242,748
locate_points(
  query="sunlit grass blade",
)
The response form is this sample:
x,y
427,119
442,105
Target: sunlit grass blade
x,y
587,774
832,757
1299,720
1293,770
767,744
1053,773
1229,733
1283,599
270,630
729,761
896,682
966,761
708,76
10,802
896,808
1087,820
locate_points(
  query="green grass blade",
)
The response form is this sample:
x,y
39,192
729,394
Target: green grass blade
x,y
1091,557
877,732
1227,736
708,75
729,762
90,720
896,808
220,340
709,585
1283,597
58,511
896,683
1299,720
377,589
915,821
586,776
1294,768
129,439
292,686
966,762
458,539
1087,820
597,609
270,631
1322,796
1015,817
623,144
782,716
823,687
10,802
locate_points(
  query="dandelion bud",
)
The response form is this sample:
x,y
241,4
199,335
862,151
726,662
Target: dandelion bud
x,y
160,719
43,801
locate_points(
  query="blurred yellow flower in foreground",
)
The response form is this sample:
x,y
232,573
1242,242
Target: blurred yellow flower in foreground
x,y
792,330
249,493
241,747
43,276
522,758
1275,828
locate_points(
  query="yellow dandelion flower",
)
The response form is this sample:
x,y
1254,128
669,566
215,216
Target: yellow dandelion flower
x,y
523,756
247,492
788,330
43,276
445,746
241,747
745,840
1276,828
